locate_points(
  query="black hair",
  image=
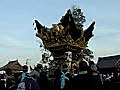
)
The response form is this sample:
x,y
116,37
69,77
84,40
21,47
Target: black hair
x,y
83,66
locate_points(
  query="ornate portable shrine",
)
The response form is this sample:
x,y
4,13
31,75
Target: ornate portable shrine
x,y
63,37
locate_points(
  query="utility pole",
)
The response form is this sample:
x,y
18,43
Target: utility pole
x,y
27,61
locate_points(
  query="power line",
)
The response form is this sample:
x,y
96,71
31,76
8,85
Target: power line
x,y
104,36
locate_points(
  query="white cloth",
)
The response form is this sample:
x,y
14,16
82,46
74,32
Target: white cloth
x,y
23,76
62,79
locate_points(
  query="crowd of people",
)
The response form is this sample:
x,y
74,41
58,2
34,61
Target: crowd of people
x,y
87,77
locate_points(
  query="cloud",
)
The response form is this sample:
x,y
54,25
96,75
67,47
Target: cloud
x,y
10,41
12,48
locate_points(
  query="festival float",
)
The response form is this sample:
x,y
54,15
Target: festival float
x,y
66,40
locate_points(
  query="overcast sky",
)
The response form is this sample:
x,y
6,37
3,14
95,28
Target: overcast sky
x,y
17,37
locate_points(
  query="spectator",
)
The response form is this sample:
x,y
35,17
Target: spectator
x,y
96,78
81,81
